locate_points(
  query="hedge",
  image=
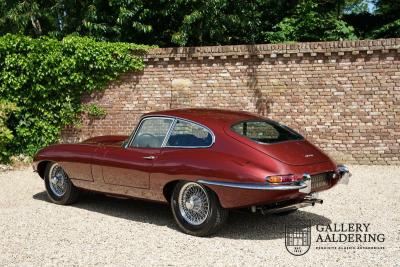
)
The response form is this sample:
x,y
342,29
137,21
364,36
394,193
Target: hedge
x,y
43,80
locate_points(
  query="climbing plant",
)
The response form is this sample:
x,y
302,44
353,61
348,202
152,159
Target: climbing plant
x,y
45,79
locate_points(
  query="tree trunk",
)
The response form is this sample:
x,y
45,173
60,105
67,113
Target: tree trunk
x,y
36,25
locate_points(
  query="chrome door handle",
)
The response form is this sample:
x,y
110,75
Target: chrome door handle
x,y
149,157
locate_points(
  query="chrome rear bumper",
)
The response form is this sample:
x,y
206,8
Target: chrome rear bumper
x,y
256,186
342,172
304,186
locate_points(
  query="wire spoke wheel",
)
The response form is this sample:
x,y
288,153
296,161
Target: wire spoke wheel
x,y
59,187
193,203
58,180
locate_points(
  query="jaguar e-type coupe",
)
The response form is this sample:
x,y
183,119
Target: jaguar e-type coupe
x,y
203,162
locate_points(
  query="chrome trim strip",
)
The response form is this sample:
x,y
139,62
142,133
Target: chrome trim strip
x,y
171,127
254,186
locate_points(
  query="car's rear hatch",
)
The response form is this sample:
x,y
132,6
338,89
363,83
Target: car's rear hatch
x,y
299,152
293,152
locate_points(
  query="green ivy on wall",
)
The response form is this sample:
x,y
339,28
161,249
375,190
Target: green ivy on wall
x,y
94,111
44,79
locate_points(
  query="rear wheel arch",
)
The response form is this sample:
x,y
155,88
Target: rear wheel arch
x,y
168,189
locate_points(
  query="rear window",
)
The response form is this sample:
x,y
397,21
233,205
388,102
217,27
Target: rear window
x,y
267,132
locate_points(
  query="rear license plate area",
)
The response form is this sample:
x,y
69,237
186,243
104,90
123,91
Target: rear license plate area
x,y
321,181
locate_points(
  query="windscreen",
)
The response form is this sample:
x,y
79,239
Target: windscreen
x,y
264,131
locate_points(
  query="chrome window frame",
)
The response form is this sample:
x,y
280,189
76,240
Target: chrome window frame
x,y
194,123
171,128
129,143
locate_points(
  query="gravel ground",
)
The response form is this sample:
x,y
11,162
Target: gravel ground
x,y
101,230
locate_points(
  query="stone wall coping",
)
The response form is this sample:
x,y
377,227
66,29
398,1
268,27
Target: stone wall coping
x,y
272,50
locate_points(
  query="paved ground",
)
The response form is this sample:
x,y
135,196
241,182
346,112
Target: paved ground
x,y
104,231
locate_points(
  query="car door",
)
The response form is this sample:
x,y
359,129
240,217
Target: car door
x,y
186,154
132,164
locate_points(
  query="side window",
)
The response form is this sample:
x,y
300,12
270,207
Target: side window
x,y
186,134
151,132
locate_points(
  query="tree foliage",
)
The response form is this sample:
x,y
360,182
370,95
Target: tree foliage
x,y
197,22
308,23
388,12
44,79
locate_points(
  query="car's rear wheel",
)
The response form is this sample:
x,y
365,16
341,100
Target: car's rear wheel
x,y
196,209
59,187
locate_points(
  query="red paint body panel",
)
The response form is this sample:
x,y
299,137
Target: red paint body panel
x,y
127,166
103,164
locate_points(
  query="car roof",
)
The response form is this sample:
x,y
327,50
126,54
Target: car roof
x,y
207,116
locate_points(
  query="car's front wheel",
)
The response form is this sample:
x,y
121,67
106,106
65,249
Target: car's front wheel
x,y
59,187
196,209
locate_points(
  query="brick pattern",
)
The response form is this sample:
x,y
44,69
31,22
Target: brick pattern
x,y
344,96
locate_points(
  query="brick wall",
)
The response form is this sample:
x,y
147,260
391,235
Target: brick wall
x,y
344,96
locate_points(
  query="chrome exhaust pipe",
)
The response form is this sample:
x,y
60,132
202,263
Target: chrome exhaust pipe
x,y
313,201
305,203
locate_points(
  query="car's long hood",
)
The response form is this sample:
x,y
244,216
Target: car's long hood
x,y
110,140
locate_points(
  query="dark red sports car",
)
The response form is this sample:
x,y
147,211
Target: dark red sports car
x,y
203,162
